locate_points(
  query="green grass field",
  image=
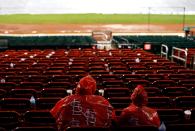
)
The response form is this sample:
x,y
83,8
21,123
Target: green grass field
x,y
95,19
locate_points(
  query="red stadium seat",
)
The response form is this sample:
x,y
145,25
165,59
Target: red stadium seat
x,y
35,128
116,92
186,71
16,79
37,78
177,77
128,77
119,102
185,102
53,92
153,91
180,127
113,83
121,72
170,116
61,78
31,85
144,72
163,83
9,119
137,128
46,102
165,72
2,93
87,129
189,83
16,104
77,72
159,102
98,72
175,91
7,85
38,118
27,73
22,93
65,85
153,77
105,77
133,83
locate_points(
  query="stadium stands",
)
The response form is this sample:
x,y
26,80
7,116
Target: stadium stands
x,y
49,74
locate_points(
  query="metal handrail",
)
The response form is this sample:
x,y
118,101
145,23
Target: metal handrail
x,y
178,56
114,40
163,46
127,43
126,40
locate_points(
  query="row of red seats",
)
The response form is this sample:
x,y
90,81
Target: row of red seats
x,y
184,102
170,127
109,83
78,70
112,91
35,118
24,104
118,74
107,92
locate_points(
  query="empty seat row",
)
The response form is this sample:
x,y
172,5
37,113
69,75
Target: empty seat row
x,y
12,119
158,102
27,93
109,91
24,104
152,91
43,119
170,127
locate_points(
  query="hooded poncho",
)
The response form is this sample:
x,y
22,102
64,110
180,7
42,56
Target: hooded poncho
x,y
138,113
83,108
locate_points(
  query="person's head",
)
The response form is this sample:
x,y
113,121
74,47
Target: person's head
x,y
86,86
139,96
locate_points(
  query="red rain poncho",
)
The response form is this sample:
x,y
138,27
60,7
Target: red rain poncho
x,y
83,108
138,113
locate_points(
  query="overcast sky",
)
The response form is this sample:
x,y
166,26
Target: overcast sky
x,y
96,6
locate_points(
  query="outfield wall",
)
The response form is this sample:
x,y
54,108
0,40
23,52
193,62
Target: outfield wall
x,y
96,6
43,42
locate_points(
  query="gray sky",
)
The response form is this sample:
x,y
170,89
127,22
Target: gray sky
x,y
96,6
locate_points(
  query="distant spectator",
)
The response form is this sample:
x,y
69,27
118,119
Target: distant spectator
x,y
138,113
83,109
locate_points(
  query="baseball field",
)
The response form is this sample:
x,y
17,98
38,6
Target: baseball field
x,y
60,23
95,19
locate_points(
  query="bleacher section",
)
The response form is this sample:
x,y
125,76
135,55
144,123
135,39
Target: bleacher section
x,y
49,75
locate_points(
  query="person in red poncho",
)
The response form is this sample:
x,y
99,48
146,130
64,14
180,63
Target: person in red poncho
x,y
83,109
138,113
